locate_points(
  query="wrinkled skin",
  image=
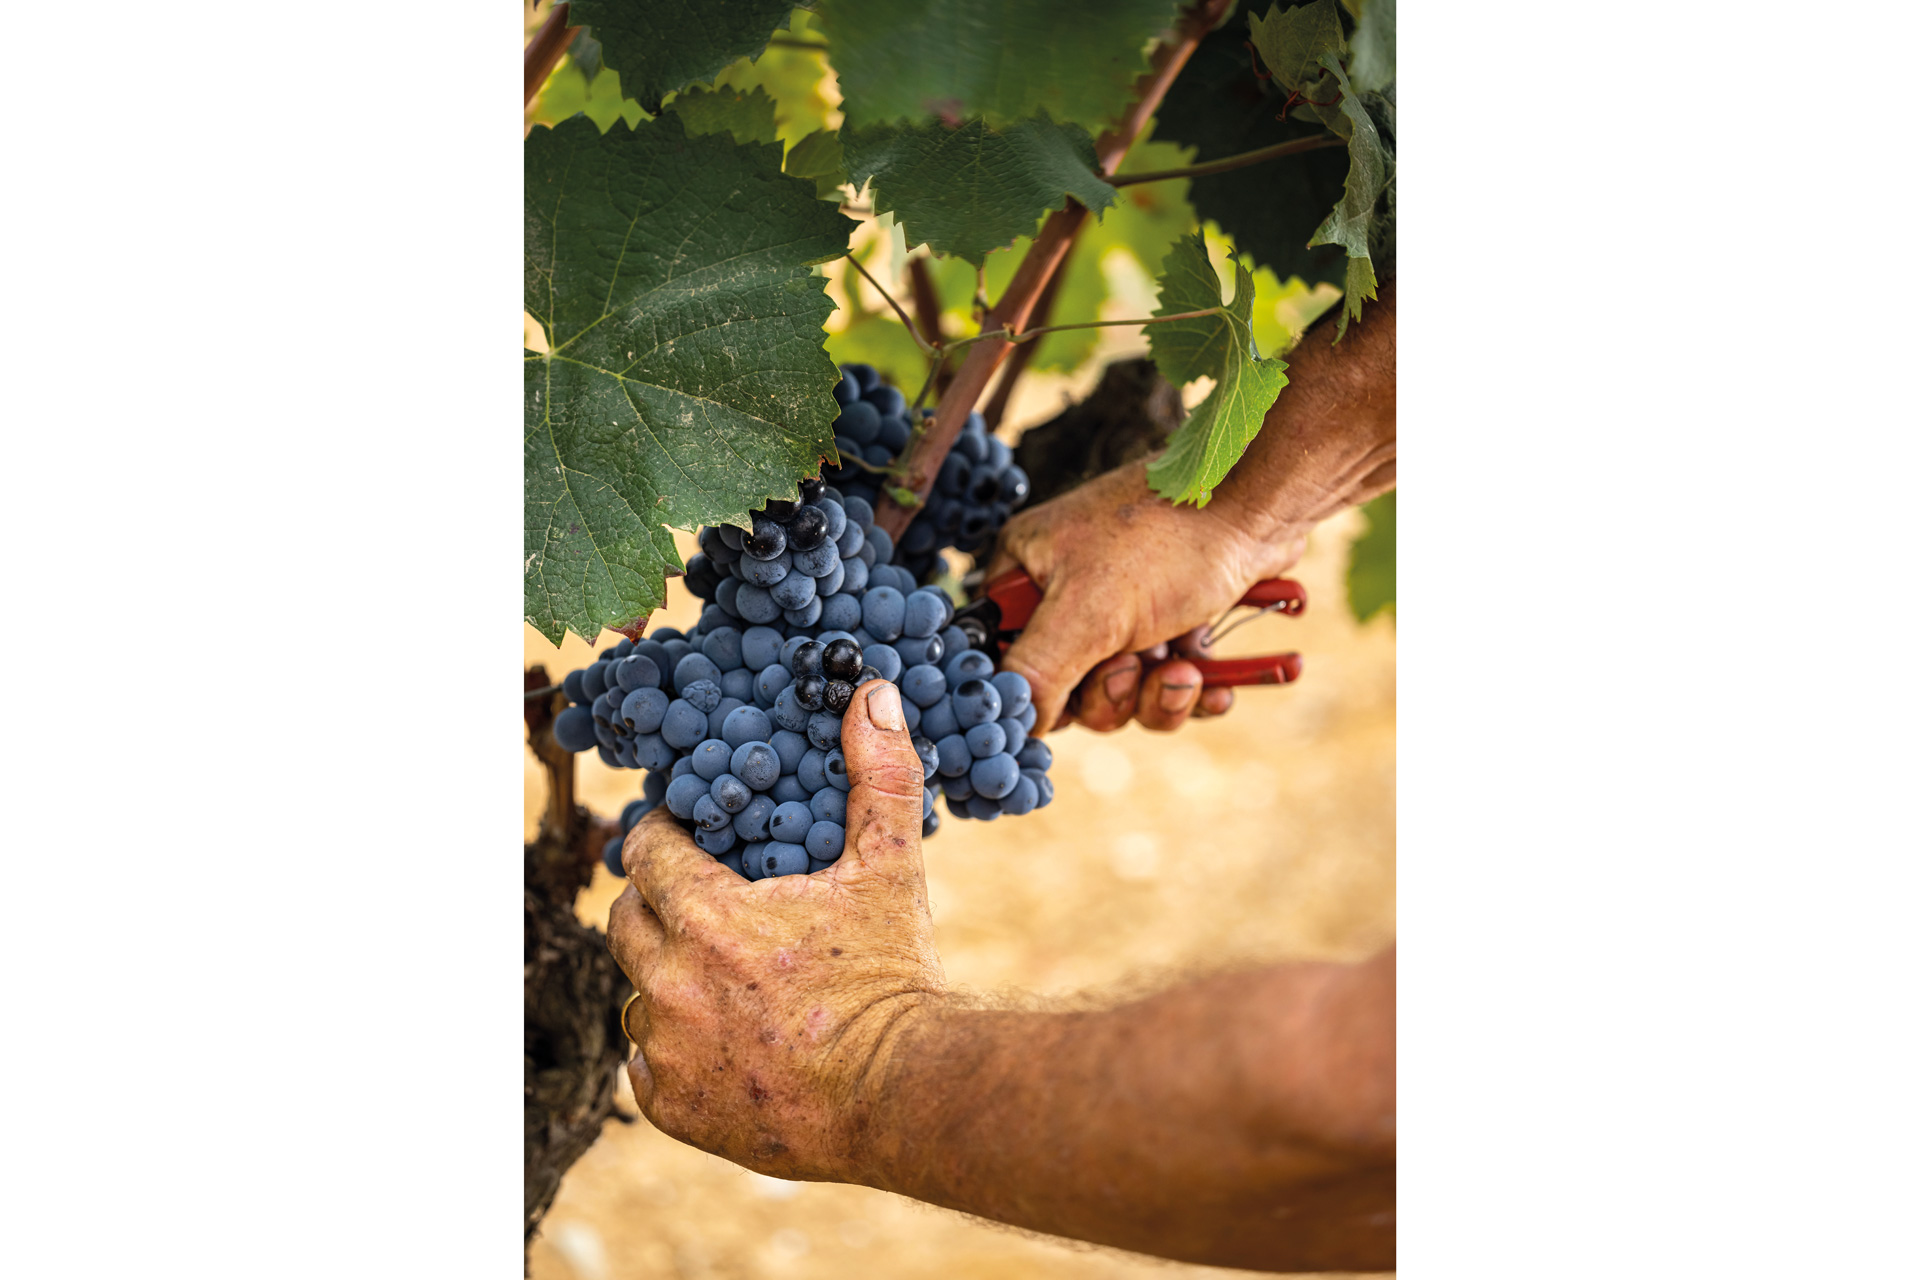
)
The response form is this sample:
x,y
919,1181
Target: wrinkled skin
x,y
1131,581
763,1005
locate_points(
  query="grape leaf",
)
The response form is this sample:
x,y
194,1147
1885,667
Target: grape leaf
x,y
1204,448
1291,42
1351,222
686,381
817,158
1000,59
659,46
747,116
1220,108
969,190
1370,570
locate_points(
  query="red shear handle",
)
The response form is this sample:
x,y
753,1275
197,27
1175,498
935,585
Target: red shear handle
x,y
1285,592
1268,668
1018,597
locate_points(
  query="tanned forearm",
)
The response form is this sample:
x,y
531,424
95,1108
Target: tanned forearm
x,y
1329,440
1244,1120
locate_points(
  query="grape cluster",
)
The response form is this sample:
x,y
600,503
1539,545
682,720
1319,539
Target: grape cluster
x,y
978,488
737,721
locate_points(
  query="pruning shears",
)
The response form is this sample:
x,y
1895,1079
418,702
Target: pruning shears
x,y
1006,604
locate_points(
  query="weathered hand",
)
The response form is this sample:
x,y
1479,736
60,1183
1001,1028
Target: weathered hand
x,y
765,1007
1125,572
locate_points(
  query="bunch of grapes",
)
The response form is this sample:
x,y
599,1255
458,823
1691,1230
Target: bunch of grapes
x,y
979,485
737,722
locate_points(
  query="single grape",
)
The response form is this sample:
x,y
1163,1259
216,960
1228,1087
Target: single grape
x,y
733,794
756,764
847,390
805,660
664,634
790,822
606,707
780,858
676,649
825,840
829,805
573,729
593,681
858,422
975,702
681,767
1035,755
606,756
716,841
778,510
937,720
789,789
926,803
930,825
808,529
823,729
1022,800
708,815
910,712
704,695
654,788
643,709
746,724
882,611
841,660
983,740
766,541
978,806
753,861
738,683
636,671
683,726
1016,695
806,615
835,767
768,684
969,665
854,581
1043,782
916,652
884,659
650,751
994,776
923,615
923,685
793,592
860,512
929,753
1016,735
693,667
722,648
819,560
955,789
810,692
1028,718
810,490
610,854
760,647
853,539
812,770
840,610
836,516
711,758
955,759
838,696
717,718
766,573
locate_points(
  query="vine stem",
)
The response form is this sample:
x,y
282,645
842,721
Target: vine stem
x,y
544,50
898,310
1227,163
921,462
1023,354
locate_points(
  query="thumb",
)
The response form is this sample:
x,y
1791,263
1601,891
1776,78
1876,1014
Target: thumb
x,y
1068,636
888,791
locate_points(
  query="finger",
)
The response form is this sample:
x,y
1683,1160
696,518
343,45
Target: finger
x,y
634,935
884,803
1168,695
1215,700
1071,632
1108,693
669,869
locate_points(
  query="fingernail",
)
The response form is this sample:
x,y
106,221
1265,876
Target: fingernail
x,y
1119,685
1175,697
883,707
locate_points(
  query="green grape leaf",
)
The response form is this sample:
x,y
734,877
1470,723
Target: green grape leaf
x,y
748,116
659,46
1370,570
685,381
817,158
1189,349
1220,108
969,190
999,59
1292,41
1351,222
1204,448
1373,47
585,52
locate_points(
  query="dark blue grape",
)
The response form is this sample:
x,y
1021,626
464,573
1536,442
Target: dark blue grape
x,y
593,681
767,540
751,822
838,697
768,684
755,604
760,647
637,671
923,685
790,822
955,789
807,530
788,713
1016,735
711,758
829,805
937,720
738,683
783,859
573,729
650,751
793,592
841,660
858,422
1035,755
916,652
708,815
654,787
955,759
854,576
1043,782
835,767
746,724
847,390
757,765
836,517
789,789
610,854
722,648
930,825
1022,800
766,573
806,616
924,615
853,539
716,841
994,776
703,695
717,718
825,840
986,739
753,860
882,543
929,753
683,726
733,794
694,667
823,730
884,659
840,611
818,562
789,747
681,767
810,693
978,806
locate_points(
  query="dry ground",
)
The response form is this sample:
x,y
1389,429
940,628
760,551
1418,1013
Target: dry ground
x,y
1267,834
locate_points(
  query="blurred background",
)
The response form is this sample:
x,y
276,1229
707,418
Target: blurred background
x,y
1267,834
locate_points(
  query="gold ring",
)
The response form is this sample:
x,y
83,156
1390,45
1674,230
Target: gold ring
x,y
624,1011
